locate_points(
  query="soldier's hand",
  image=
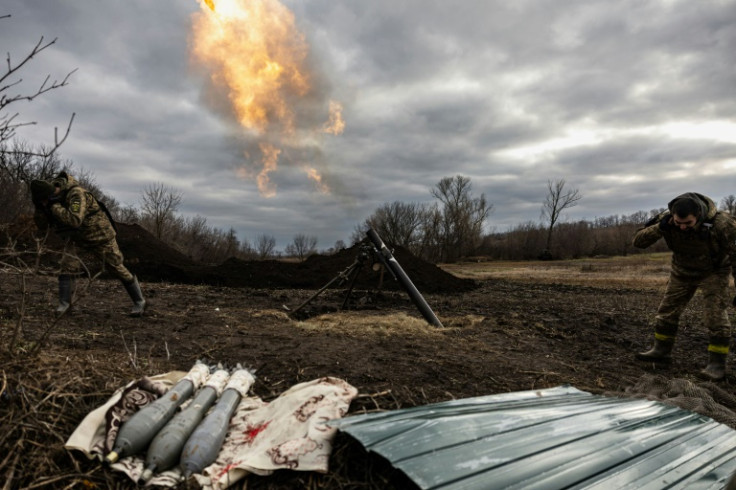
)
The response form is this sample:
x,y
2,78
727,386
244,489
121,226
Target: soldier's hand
x,y
665,224
652,221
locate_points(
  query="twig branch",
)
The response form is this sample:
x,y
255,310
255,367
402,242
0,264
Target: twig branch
x,y
132,356
8,123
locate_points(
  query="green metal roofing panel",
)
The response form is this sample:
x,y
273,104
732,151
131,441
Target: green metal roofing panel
x,y
547,439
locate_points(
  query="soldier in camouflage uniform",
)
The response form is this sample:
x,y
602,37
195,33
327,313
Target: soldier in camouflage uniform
x,y
703,244
73,213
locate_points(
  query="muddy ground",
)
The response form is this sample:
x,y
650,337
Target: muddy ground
x,y
498,336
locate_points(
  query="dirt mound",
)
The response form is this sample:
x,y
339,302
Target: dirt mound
x,y
153,260
141,247
150,258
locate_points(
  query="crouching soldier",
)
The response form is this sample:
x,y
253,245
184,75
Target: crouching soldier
x,y
703,244
73,213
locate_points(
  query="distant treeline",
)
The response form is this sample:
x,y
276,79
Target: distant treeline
x,y
450,230
447,230
607,236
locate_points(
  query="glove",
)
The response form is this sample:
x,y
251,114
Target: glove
x,y
664,223
734,302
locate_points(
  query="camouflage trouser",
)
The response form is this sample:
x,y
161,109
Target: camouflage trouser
x,y
716,300
107,252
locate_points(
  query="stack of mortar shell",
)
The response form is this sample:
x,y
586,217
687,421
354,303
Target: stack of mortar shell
x,y
165,449
137,432
204,444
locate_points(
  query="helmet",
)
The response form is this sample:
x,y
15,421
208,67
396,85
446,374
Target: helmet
x,y
61,180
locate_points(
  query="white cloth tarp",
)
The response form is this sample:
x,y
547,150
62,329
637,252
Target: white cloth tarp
x,y
287,433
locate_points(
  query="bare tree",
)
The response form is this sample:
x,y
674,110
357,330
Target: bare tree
x,y
19,166
728,203
196,238
16,158
158,205
558,199
359,231
337,247
265,246
126,214
399,223
622,231
302,246
462,217
23,163
11,78
246,250
431,244
232,244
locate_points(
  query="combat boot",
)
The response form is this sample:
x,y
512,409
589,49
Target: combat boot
x,y
134,290
717,353
66,284
716,368
660,352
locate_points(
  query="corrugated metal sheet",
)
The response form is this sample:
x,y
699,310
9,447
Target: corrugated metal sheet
x,y
547,439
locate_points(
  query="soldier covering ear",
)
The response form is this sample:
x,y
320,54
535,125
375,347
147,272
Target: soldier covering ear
x,y
703,244
73,213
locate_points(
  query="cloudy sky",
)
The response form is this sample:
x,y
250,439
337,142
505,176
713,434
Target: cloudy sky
x,y
630,101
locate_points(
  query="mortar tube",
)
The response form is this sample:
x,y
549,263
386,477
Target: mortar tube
x,y
403,279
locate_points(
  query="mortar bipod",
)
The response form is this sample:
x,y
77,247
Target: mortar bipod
x,y
350,273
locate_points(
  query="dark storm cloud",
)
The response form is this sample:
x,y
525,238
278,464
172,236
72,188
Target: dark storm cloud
x,y
612,96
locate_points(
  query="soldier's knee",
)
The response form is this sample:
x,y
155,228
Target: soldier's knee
x,y
124,275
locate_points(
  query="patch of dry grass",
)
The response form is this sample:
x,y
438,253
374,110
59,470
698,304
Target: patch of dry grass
x,y
357,324
645,271
42,399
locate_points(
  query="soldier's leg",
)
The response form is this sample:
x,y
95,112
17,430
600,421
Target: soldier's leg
x,y
677,295
716,300
113,260
69,267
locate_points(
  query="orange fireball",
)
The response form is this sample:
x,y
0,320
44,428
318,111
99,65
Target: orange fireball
x,y
255,54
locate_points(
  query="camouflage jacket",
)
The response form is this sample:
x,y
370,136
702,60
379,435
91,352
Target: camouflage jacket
x,y
709,247
76,215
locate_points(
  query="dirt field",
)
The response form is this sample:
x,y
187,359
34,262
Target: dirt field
x,y
515,327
